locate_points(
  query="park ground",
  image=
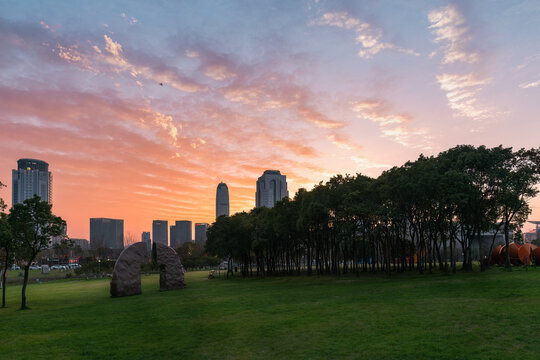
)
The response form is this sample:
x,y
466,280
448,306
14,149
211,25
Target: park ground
x,y
490,315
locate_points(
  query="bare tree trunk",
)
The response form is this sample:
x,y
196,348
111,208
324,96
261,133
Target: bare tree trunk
x,y
4,282
508,264
4,285
25,282
482,266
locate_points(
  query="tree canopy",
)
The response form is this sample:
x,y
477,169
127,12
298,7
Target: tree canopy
x,y
33,225
426,213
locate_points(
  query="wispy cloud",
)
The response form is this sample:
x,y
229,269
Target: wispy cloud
x,y
526,63
364,163
279,93
110,57
343,142
130,19
367,36
219,72
462,87
298,149
392,125
113,54
461,93
448,26
530,85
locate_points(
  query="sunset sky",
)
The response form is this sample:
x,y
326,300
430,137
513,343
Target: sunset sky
x,y
141,108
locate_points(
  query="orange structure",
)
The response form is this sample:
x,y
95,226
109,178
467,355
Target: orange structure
x,y
525,253
496,255
519,254
514,254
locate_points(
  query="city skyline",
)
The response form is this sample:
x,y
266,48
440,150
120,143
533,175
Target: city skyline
x,y
140,110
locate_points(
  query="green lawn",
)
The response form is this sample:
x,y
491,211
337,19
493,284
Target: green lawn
x,y
493,315
16,276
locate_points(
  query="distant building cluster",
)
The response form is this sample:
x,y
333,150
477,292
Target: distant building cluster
x,y
32,177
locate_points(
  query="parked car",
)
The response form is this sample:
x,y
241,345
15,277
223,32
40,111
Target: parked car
x,y
74,266
15,267
35,267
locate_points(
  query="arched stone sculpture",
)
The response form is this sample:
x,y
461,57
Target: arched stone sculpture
x,y
171,271
126,277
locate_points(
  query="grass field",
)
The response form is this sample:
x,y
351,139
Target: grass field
x,y
493,315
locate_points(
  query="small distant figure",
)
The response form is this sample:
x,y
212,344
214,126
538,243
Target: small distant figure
x,y
211,274
160,84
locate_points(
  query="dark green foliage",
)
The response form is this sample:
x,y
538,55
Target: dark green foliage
x,y
193,257
424,214
96,267
32,225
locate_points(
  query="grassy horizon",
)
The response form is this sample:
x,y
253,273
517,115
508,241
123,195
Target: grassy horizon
x,y
495,314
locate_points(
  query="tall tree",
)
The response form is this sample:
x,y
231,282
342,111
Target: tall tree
x,y
33,225
518,177
7,246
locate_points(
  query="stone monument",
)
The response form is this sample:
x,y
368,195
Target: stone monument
x,y
126,277
171,271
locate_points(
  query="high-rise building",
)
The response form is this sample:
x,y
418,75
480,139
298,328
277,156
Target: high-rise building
x,y
271,187
200,233
222,200
145,238
180,233
106,233
160,231
32,177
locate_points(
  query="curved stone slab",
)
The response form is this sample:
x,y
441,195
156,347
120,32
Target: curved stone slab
x,y
171,271
126,278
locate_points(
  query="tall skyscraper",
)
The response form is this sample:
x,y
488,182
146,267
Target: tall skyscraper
x,y
180,233
222,200
145,238
200,233
160,231
271,187
32,177
106,233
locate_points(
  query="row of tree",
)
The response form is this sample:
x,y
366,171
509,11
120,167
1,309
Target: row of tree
x,y
24,232
420,215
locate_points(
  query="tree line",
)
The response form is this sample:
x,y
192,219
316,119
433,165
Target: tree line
x,y
418,216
